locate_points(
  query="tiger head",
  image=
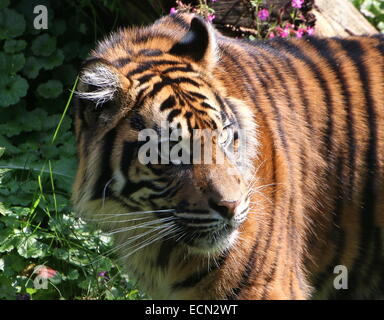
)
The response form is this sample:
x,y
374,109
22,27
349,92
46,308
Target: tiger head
x,y
145,97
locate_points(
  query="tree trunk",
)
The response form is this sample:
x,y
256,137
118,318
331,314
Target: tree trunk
x,y
340,18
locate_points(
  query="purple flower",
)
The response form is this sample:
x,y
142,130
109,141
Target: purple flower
x,y
283,32
25,296
173,10
102,274
297,3
211,17
271,35
310,31
300,33
263,14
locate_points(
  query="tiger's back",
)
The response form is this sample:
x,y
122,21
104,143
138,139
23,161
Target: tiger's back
x,y
317,198
324,106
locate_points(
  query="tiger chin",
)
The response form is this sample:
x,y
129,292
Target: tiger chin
x,y
298,127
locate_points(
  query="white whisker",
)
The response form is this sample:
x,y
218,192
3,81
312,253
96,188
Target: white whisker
x,y
143,225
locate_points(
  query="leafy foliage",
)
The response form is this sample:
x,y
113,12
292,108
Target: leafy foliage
x,y
373,11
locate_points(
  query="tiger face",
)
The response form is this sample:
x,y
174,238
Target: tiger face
x,y
163,153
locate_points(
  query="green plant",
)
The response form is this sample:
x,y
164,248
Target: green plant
x,y
373,10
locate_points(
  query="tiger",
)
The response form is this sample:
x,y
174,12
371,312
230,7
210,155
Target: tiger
x,y
301,210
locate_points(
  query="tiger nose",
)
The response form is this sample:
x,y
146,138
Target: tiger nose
x,y
226,209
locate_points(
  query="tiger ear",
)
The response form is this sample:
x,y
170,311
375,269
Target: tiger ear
x,y
100,81
198,44
101,93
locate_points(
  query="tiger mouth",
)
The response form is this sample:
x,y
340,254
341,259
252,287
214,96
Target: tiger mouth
x,y
208,234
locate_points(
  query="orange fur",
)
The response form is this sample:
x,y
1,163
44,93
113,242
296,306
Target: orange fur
x,y
318,157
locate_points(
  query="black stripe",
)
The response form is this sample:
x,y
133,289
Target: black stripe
x,y
197,95
178,19
165,193
325,51
180,80
196,277
92,60
137,121
376,265
169,82
131,188
162,260
121,62
188,68
129,151
324,85
356,53
169,103
150,64
105,169
146,78
150,52
207,106
142,37
174,113
338,234
159,86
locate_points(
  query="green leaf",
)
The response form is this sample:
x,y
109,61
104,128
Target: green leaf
x,y
13,263
12,46
11,221
6,144
10,64
44,45
2,150
60,254
33,121
8,240
73,274
66,73
32,67
52,61
71,50
6,289
32,248
381,26
12,88
12,24
58,28
4,4
67,165
31,291
50,89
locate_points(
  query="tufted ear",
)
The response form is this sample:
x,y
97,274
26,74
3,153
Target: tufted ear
x,y
100,81
101,92
198,44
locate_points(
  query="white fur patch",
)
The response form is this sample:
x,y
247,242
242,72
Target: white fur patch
x,y
101,77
